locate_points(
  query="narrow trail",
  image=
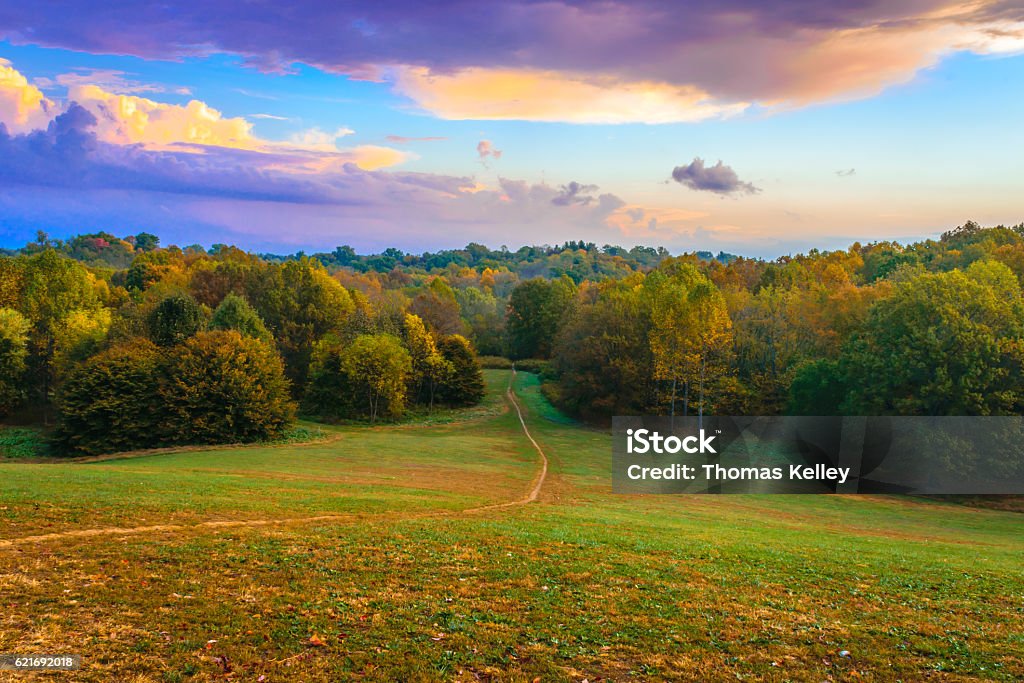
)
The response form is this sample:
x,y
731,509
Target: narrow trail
x,y
530,497
539,481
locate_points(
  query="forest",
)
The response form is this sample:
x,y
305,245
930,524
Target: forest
x,y
117,344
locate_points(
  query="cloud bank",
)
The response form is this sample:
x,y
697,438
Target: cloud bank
x,y
651,61
123,162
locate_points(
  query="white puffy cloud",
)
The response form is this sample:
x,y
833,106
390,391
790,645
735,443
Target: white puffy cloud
x,y
130,119
23,106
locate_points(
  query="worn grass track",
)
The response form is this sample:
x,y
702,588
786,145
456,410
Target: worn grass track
x,y
397,583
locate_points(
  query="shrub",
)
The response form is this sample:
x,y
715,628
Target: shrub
x,y
217,387
537,366
110,402
222,387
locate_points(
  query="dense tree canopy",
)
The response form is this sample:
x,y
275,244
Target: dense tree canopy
x,y
931,328
536,310
14,329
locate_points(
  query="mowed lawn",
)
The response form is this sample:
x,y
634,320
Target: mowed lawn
x,y
403,583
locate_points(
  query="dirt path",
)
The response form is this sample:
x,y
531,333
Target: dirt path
x,y
539,480
530,497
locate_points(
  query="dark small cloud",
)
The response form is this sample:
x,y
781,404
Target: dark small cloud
x,y
720,179
846,172
574,193
402,140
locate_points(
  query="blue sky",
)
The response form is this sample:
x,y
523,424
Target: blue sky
x,y
884,125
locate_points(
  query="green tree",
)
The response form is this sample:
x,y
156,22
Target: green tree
x,y
111,402
175,319
429,367
235,313
536,310
53,287
377,368
464,384
329,393
818,388
943,344
484,318
603,353
14,330
222,387
299,303
146,241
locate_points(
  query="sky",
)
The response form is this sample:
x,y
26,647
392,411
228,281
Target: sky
x,y
756,128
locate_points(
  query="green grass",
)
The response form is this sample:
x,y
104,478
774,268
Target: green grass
x,y
406,586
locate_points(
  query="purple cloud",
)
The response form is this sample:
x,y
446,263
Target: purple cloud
x,y
65,180
735,50
574,193
720,179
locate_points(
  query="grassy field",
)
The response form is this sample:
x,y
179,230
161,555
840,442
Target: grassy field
x,y
365,556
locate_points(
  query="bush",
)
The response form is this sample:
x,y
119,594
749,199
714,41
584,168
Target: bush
x,y
217,387
222,387
111,403
22,443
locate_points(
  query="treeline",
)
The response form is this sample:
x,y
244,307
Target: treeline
x,y
932,328
184,346
577,260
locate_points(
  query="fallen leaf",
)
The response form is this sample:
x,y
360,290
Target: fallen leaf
x,y
316,641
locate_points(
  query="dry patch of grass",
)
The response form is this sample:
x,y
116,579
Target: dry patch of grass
x,y
396,584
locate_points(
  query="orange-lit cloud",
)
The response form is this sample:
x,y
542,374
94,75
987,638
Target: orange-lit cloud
x,y
126,119
130,119
615,61
724,74
481,93
23,106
